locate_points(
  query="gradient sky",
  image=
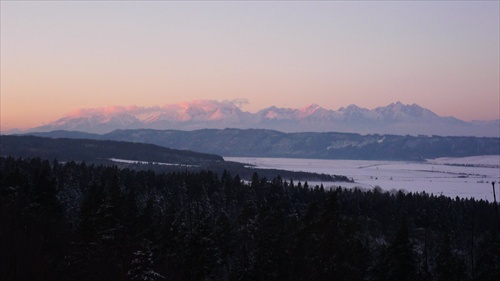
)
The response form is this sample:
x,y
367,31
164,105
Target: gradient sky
x,y
60,56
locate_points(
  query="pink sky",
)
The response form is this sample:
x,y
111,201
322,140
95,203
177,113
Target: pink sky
x,y
57,57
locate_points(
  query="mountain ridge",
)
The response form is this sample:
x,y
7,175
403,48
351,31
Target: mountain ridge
x,y
395,118
324,145
87,148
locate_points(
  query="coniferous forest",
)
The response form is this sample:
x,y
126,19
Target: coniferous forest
x,y
73,221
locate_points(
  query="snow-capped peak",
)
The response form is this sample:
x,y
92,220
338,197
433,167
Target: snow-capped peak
x,y
394,118
310,108
399,111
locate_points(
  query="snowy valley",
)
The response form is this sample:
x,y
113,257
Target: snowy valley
x,y
466,177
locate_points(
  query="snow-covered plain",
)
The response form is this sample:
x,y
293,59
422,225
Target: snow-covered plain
x,y
463,177
146,162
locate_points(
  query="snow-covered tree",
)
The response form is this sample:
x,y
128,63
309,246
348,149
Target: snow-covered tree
x,y
141,267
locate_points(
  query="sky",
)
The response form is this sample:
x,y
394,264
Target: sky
x,y
58,56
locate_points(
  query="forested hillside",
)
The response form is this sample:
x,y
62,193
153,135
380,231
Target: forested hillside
x,y
327,145
74,221
139,156
93,150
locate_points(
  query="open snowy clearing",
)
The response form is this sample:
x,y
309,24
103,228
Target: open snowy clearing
x,y
463,177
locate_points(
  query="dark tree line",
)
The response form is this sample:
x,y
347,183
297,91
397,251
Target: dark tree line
x,y
74,221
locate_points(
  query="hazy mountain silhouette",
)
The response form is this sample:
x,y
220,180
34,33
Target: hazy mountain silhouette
x,y
395,118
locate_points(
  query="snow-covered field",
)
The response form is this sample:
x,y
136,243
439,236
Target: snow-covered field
x,y
462,177
146,162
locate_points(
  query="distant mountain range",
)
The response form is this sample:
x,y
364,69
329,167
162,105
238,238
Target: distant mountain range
x,y
395,118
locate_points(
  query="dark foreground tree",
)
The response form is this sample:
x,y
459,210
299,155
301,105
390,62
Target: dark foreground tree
x,y
77,222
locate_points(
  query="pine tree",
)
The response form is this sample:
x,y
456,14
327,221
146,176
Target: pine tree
x,y
141,267
448,265
488,257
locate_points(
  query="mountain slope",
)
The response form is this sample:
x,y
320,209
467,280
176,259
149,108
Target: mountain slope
x,y
96,150
270,143
138,156
395,118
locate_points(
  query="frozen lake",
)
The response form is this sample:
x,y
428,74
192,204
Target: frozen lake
x,y
462,177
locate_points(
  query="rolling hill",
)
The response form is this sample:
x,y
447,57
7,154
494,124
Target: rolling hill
x,y
330,145
138,156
